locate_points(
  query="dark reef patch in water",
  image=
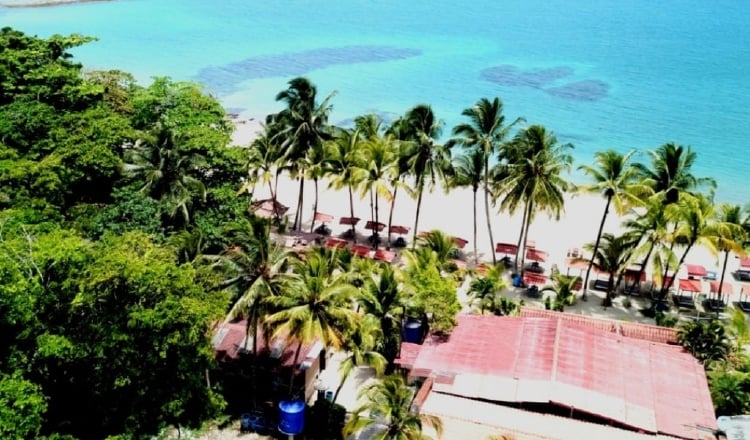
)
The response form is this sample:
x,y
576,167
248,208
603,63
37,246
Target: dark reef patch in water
x,y
225,78
509,75
587,90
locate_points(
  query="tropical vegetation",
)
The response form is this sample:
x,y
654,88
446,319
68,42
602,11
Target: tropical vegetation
x,y
126,239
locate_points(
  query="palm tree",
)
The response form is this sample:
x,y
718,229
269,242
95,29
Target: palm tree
x,y
534,179
263,162
383,297
256,268
379,165
315,168
467,170
730,391
692,216
649,229
442,244
564,290
728,234
169,173
706,340
314,304
484,290
614,177
306,126
342,164
387,409
613,254
427,158
670,173
485,131
360,346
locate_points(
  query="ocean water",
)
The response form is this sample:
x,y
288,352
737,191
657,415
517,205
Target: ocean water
x,y
630,74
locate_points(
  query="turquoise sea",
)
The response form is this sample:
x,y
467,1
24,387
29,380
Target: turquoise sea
x,y
624,74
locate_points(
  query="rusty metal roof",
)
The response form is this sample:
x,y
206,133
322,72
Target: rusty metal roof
x,y
644,385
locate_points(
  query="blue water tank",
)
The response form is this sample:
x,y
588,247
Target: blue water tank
x,y
291,416
413,331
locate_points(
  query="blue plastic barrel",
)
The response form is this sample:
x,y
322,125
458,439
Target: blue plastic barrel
x,y
291,416
413,331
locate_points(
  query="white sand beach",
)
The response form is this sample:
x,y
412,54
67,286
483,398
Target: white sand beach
x,y
452,213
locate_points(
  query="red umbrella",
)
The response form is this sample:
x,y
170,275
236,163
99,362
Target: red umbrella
x,y
361,250
372,225
506,248
690,285
460,242
536,255
384,255
324,218
401,230
695,270
336,243
726,288
349,221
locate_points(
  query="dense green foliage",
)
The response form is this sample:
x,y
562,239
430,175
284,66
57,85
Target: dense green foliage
x,y
125,237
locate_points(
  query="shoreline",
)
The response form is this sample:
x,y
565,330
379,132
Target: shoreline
x,y
452,213
43,3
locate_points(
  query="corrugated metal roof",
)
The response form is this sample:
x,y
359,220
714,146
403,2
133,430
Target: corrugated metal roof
x,y
636,330
648,386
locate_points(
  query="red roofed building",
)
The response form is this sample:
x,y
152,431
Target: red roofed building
x,y
561,366
230,346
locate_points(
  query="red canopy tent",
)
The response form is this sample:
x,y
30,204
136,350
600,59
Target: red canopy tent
x,y
336,243
372,226
401,230
349,221
536,255
361,250
695,270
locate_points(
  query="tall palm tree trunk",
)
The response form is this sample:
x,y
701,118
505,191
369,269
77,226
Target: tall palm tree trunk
x,y
596,247
520,240
682,260
390,216
420,190
294,368
375,227
487,207
637,280
351,213
338,388
723,271
300,199
315,205
476,253
522,248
